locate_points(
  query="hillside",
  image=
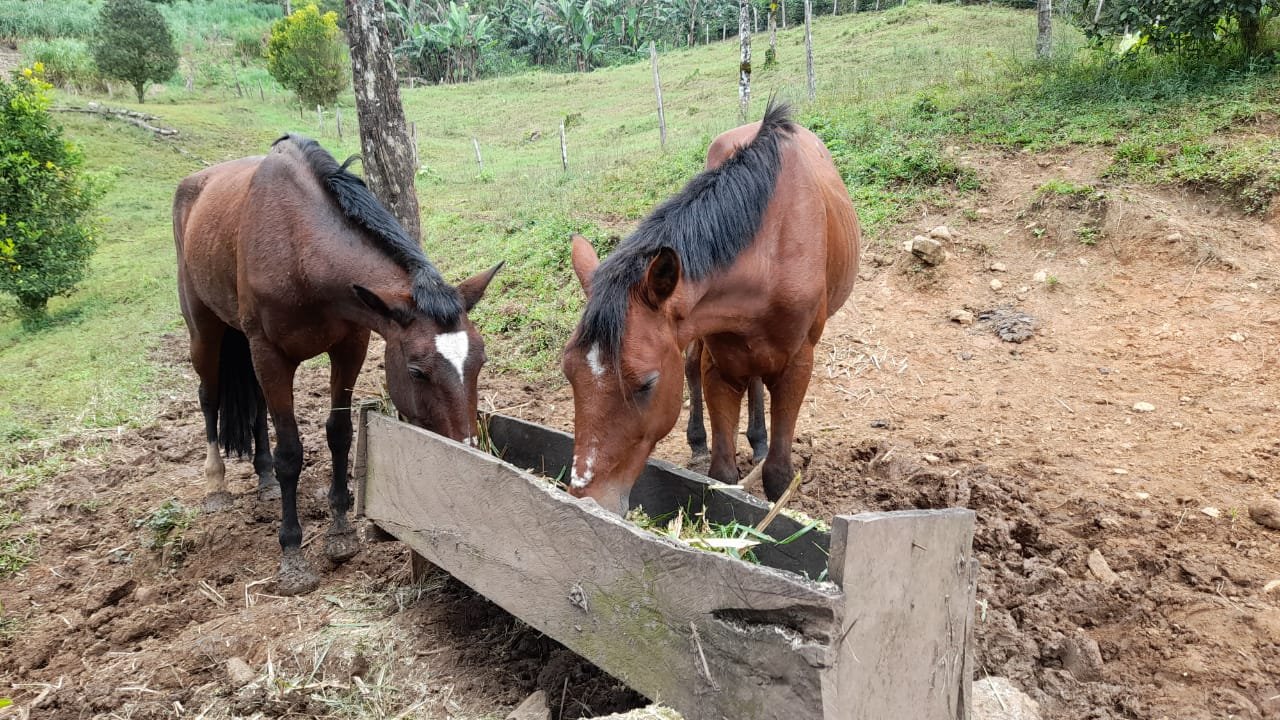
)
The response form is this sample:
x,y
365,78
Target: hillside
x,y
1126,210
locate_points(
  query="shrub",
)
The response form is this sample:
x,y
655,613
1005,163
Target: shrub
x,y
45,240
67,62
307,55
1183,25
133,43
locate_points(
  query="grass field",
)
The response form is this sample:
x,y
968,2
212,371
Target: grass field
x,y
896,90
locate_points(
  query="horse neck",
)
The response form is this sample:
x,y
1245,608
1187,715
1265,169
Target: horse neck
x,y
706,307
361,265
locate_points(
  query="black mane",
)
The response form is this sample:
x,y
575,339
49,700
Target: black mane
x,y
431,294
708,224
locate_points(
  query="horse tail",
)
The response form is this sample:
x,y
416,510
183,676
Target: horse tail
x,y
239,395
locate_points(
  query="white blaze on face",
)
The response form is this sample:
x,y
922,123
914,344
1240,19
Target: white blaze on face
x,y
583,480
593,360
454,347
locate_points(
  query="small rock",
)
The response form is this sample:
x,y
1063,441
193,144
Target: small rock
x,y
983,211
1142,495
1266,513
928,250
1083,262
239,673
1143,407
998,267
1173,237
1119,471
866,275
1082,657
534,707
145,595
996,285
1236,337
1040,276
995,698
942,232
1100,569
962,316
1212,512
1273,585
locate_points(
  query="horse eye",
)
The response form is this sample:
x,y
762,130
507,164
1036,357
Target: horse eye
x,y
648,384
416,373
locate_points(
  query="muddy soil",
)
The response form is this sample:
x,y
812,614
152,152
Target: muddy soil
x,y
1133,428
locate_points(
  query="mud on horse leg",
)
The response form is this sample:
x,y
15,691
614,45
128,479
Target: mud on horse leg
x,y
786,391
340,542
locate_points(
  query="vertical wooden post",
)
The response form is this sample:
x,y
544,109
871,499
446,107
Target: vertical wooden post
x,y
564,150
239,90
911,579
744,65
835,7
772,56
337,118
1097,13
1044,28
479,160
755,20
262,94
657,89
808,48
319,120
784,14
419,567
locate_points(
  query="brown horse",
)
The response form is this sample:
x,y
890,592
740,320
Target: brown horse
x,y
284,257
751,257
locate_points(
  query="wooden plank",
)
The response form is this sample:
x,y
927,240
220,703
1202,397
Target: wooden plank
x,y
705,634
909,579
664,487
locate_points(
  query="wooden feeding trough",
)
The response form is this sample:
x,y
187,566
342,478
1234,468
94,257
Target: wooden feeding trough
x,y
715,638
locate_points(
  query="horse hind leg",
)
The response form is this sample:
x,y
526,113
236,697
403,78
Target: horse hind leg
x,y
724,406
206,346
696,433
263,466
757,432
341,543
786,395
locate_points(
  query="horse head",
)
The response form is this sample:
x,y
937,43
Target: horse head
x,y
432,366
626,395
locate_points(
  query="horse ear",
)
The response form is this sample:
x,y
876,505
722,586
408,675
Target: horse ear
x,y
661,278
585,261
472,289
376,303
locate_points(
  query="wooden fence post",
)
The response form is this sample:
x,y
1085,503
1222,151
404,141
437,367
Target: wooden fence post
x,y
564,150
808,48
744,65
337,117
262,95
784,14
319,120
657,89
479,160
1044,28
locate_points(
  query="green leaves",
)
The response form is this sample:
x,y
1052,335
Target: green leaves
x,y
133,43
306,54
45,238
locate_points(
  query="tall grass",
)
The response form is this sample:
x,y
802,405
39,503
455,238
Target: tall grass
x,y
194,23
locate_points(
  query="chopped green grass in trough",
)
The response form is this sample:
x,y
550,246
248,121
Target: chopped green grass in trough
x,y
692,528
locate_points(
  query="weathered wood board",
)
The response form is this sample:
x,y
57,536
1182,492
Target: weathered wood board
x,y
712,637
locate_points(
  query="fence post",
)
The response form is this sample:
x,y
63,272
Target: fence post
x,y
564,149
657,89
319,120
808,48
744,65
479,160
337,116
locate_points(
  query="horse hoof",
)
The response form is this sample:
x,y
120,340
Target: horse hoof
x,y
700,462
216,502
295,577
268,490
341,547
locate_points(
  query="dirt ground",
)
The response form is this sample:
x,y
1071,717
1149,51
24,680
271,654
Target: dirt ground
x,y
1171,305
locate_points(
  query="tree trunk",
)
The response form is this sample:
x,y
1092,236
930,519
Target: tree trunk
x,y
384,137
772,56
1044,28
744,67
657,89
141,89
808,48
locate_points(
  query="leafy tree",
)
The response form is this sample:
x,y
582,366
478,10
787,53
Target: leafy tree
x,y
1180,25
45,239
306,53
133,43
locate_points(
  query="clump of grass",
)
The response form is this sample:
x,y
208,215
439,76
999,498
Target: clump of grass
x,y
16,553
697,531
164,531
1063,187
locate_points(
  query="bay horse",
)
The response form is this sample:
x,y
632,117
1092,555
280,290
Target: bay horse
x,y
751,257
286,256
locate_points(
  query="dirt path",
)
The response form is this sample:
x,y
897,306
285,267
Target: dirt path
x,y
1172,306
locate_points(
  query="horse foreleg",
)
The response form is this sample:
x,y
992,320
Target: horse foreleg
x,y
786,394
345,360
757,433
724,403
276,375
696,433
263,467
